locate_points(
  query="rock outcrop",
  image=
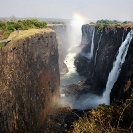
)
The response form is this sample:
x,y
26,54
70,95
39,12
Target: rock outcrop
x,y
106,46
29,82
63,44
123,88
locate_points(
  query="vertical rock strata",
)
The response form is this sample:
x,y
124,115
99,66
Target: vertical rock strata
x,y
29,82
63,44
98,68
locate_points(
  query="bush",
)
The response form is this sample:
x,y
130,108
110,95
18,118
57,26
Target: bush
x,y
19,26
92,23
107,21
1,45
7,27
118,24
2,25
100,27
106,25
10,27
106,119
6,34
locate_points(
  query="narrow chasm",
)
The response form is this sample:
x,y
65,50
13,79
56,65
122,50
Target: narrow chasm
x,y
96,70
65,77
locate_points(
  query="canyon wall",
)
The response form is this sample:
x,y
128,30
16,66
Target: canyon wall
x,y
29,82
106,46
62,34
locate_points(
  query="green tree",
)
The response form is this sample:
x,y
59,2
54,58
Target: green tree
x,y
10,27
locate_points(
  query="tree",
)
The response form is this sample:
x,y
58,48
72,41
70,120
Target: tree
x,y
13,18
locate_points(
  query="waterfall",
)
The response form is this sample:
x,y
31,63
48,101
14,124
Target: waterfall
x,y
97,49
89,55
113,75
92,45
72,76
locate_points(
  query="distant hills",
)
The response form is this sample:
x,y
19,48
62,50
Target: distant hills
x,y
48,20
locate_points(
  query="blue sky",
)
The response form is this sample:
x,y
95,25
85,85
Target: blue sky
x,y
91,9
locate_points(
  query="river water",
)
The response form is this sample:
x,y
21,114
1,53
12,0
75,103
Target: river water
x,y
72,76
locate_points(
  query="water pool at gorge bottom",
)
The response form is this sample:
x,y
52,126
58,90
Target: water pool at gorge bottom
x,y
72,77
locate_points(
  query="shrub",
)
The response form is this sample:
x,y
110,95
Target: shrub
x,y
2,25
92,23
106,25
7,27
10,27
6,34
19,26
106,119
1,45
118,24
100,27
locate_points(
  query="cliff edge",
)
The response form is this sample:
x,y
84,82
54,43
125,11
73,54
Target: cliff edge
x,y
29,80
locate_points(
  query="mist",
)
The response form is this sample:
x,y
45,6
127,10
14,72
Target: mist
x,y
90,101
75,34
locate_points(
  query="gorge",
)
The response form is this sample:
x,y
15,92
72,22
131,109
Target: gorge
x,y
107,44
98,56
91,68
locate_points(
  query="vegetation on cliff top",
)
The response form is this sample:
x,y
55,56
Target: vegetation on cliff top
x,y
1,45
21,34
6,28
106,119
100,24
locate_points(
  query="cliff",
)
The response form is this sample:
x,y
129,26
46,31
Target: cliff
x,y
106,46
63,44
29,80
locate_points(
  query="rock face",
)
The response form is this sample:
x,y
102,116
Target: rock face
x,y
62,66
123,88
29,82
63,41
106,46
87,32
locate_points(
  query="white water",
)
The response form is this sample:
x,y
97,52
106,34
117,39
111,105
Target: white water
x,y
75,38
97,49
72,76
90,101
113,75
89,55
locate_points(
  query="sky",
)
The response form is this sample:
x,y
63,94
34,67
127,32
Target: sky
x,y
90,9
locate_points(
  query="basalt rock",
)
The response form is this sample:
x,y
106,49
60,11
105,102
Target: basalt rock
x,y
63,41
97,69
123,88
29,82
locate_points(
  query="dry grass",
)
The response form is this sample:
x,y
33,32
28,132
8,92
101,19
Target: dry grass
x,y
21,34
106,119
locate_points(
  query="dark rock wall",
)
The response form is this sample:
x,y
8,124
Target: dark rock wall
x,y
123,88
87,32
62,32
97,69
29,83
